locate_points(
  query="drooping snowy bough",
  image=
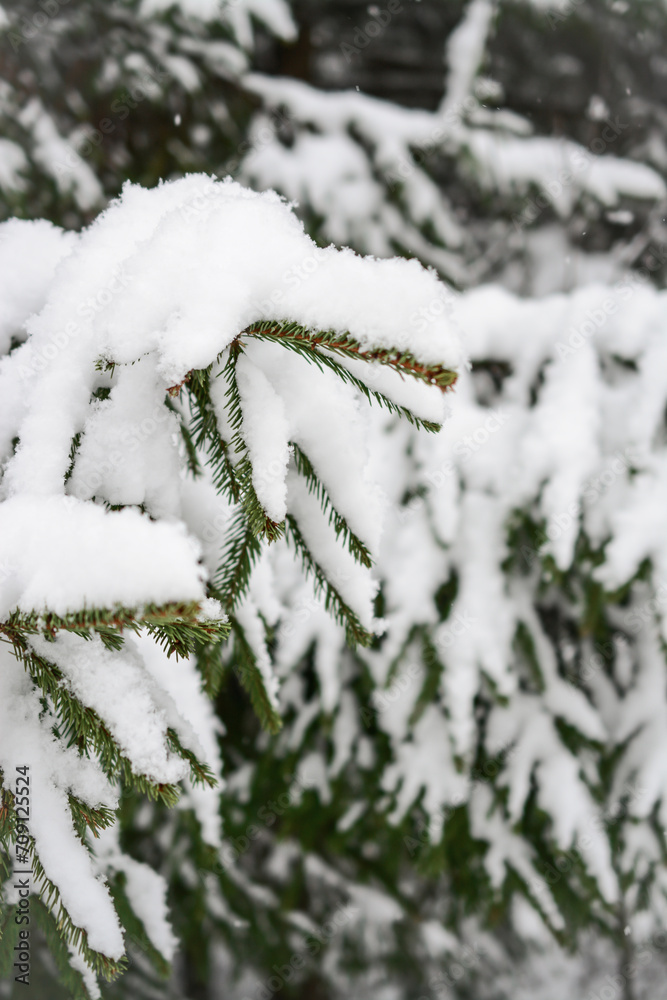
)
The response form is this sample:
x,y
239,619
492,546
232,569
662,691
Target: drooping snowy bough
x,y
181,386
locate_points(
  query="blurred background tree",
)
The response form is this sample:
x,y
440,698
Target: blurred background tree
x,y
515,142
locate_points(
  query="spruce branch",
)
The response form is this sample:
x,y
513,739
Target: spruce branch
x,y
191,453
81,726
211,668
71,978
176,627
242,549
355,633
200,774
206,435
322,359
66,929
134,927
257,519
89,818
250,677
310,342
60,931
316,487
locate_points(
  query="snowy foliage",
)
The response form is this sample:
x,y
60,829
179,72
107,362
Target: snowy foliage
x,y
176,376
162,61
516,702
454,641
367,170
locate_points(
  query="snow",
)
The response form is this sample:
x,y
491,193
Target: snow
x,y
63,554
572,437
247,615
59,158
13,163
563,169
116,686
323,417
465,51
178,692
267,435
145,889
362,165
103,324
351,581
129,291
575,438
23,291
54,772
127,452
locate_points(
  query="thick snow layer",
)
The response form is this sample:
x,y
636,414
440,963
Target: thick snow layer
x,y
145,889
26,740
98,327
61,554
116,686
160,284
177,690
23,290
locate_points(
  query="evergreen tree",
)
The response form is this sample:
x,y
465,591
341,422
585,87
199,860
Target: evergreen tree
x,y
95,93
450,809
154,399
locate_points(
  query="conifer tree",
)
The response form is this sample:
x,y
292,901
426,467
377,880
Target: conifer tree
x,y
420,780
173,406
